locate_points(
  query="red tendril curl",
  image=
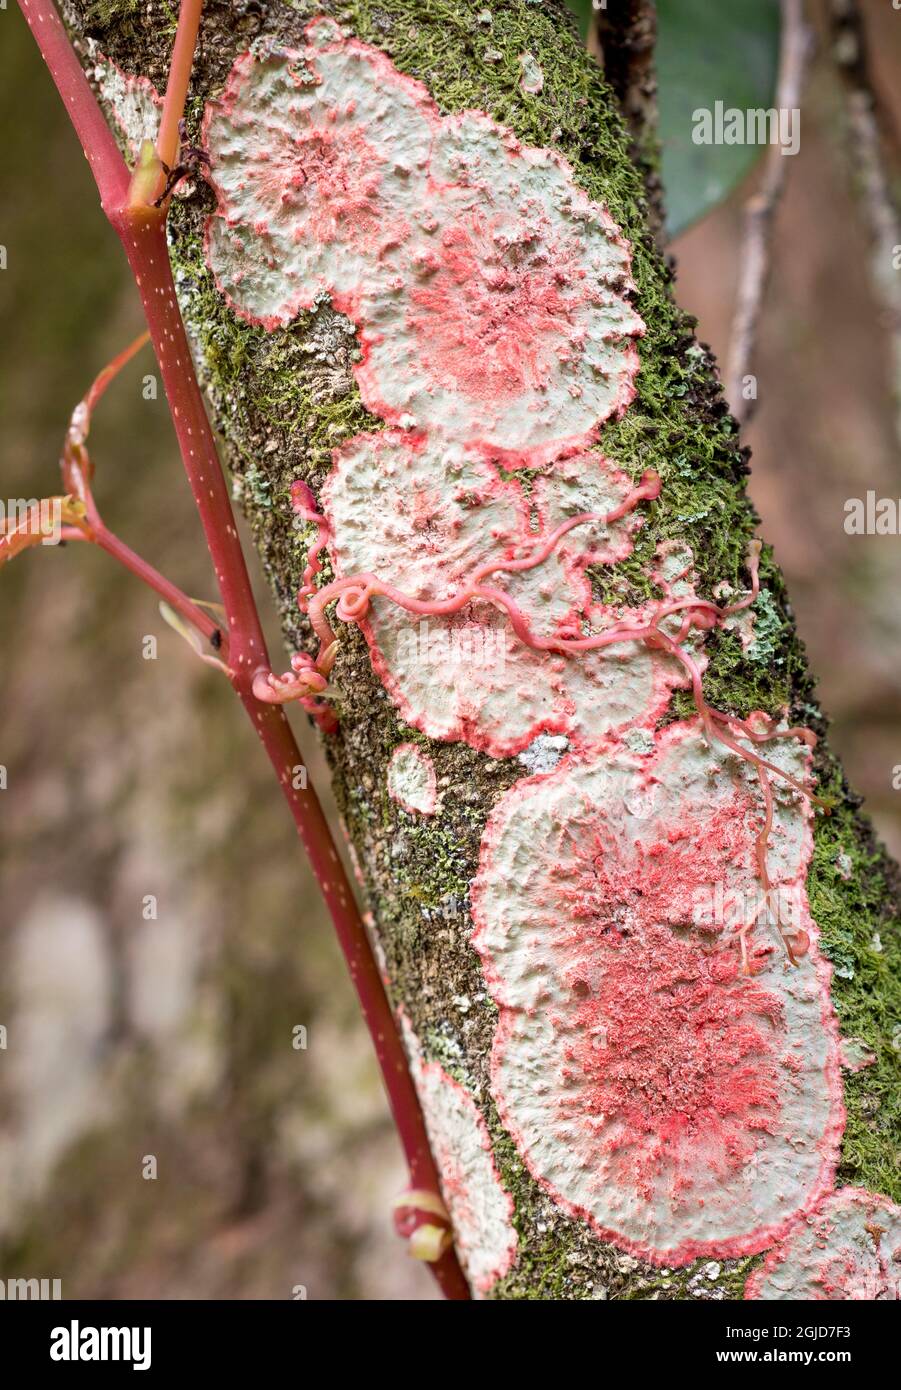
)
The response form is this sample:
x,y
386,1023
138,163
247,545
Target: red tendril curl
x,y
307,679
355,593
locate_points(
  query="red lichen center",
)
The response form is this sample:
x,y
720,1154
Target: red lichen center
x,y
664,1032
333,175
498,308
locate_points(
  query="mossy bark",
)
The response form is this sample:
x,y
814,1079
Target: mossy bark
x,y
283,400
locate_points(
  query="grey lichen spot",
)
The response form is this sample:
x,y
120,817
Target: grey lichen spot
x,y
331,345
544,752
639,741
768,624
255,482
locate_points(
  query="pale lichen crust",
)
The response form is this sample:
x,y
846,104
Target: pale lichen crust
x,y
848,1249
480,1208
490,293
135,103
682,1107
411,779
514,329
442,513
318,159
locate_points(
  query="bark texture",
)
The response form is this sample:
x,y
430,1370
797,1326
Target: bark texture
x,y
622,39
285,399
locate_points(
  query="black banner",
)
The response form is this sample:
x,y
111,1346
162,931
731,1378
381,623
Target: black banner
x,y
68,1338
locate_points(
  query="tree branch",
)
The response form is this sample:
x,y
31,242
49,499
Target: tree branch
x,y
869,135
760,210
622,38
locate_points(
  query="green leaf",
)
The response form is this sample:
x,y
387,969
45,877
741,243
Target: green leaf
x,y
582,10
708,53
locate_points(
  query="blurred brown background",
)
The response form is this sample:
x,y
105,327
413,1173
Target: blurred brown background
x,y
129,777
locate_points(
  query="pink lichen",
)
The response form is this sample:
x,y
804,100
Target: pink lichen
x,y
848,1248
471,670
318,161
680,1105
490,293
480,1208
411,780
515,331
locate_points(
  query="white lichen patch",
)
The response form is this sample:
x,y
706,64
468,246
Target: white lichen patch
x,y
318,160
680,1106
532,80
490,293
411,779
134,102
584,485
675,559
848,1249
640,741
742,623
477,670
514,329
857,1054
480,1208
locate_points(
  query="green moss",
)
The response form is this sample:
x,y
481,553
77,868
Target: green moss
x,y
284,400
101,13
851,887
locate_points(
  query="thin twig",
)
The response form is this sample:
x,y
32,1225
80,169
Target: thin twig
x,y
868,133
796,43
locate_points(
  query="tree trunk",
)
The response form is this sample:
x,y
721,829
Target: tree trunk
x,y
496,1018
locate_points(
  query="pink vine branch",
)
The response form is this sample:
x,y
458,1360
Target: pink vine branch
x,y
182,62
128,201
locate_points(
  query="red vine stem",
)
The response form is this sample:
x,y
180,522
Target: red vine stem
x,y
167,140
169,592
141,229
96,138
